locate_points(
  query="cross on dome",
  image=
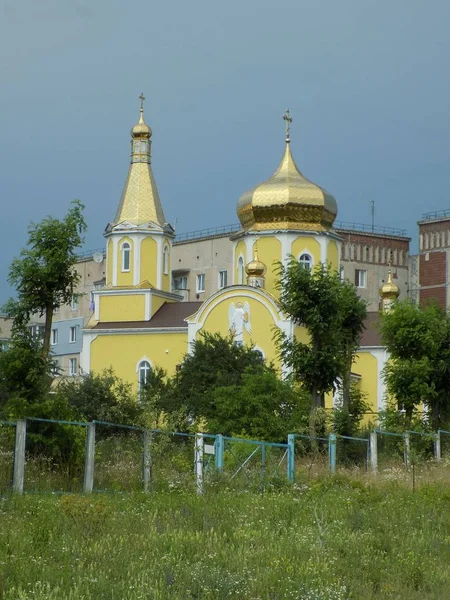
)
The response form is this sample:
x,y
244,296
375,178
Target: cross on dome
x,y
288,119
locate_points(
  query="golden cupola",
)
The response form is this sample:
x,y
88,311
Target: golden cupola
x,y
287,200
389,293
140,204
256,271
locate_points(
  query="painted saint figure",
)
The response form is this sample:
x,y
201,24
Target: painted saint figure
x,y
238,318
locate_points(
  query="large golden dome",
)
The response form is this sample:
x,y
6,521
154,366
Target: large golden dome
x,y
287,200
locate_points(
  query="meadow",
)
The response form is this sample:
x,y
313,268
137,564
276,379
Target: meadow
x,y
332,538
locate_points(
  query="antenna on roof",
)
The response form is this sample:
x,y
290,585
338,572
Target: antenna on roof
x,y
372,212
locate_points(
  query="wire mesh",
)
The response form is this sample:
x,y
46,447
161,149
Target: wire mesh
x,y
118,457
54,456
391,451
7,440
352,453
311,456
172,460
445,444
421,447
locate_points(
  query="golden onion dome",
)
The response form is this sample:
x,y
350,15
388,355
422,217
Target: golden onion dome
x,y
287,200
256,268
141,129
389,290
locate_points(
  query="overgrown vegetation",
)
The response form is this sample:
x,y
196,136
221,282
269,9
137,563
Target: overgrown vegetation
x,y
327,540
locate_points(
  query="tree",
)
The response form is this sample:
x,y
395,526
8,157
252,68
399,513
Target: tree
x,y
215,361
418,341
333,315
45,276
261,407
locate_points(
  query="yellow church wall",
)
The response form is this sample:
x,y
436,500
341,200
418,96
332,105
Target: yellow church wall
x,y
366,365
148,260
269,252
125,279
261,322
333,255
157,302
123,352
122,308
306,244
109,260
302,335
166,283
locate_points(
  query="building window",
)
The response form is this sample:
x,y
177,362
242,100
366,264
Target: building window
x,y
74,303
72,335
305,261
126,249
223,279
72,367
360,278
166,260
54,337
56,310
144,369
37,331
180,283
240,270
200,283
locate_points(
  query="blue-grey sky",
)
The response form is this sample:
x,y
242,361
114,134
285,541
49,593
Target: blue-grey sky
x,y
366,81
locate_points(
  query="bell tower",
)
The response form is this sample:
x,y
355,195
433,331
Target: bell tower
x,y
139,240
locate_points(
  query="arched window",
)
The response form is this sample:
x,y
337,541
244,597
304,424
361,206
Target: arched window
x,y
305,261
240,270
126,249
166,260
144,369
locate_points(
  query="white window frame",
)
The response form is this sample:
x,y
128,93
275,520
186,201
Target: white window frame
x,y
72,334
54,338
200,282
73,367
166,259
358,278
126,251
74,303
240,270
223,279
144,366
306,261
55,367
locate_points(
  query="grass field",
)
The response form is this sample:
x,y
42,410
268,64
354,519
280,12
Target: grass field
x,y
331,539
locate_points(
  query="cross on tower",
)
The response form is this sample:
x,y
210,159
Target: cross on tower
x,y
142,98
287,117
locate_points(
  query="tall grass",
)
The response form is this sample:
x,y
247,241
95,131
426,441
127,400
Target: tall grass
x,y
326,539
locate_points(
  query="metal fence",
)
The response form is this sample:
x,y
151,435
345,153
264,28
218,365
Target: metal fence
x,y
109,457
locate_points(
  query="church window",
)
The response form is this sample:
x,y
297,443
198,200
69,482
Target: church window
x,y
223,279
240,269
200,283
126,256
360,278
144,369
305,261
166,260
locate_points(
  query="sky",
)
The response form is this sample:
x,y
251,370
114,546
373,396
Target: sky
x,y
366,81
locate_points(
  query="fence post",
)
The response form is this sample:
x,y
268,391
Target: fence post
x,y
19,456
437,446
88,482
263,461
373,449
147,461
332,452
219,452
198,462
291,457
407,448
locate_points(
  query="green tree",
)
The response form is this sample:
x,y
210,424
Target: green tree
x,y
44,275
261,407
215,361
333,315
418,341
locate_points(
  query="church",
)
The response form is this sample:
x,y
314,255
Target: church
x,y
139,323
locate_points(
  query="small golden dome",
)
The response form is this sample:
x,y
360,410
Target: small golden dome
x,y
141,129
287,200
256,268
389,290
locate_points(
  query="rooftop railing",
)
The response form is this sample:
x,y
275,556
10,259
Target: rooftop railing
x,y
206,233
380,229
437,214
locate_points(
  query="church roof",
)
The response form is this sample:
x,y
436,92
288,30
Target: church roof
x,y
171,314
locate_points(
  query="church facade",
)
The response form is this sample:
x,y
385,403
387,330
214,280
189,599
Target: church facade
x,y
139,322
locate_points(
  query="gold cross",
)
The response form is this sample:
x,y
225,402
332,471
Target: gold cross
x,y
287,117
142,98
